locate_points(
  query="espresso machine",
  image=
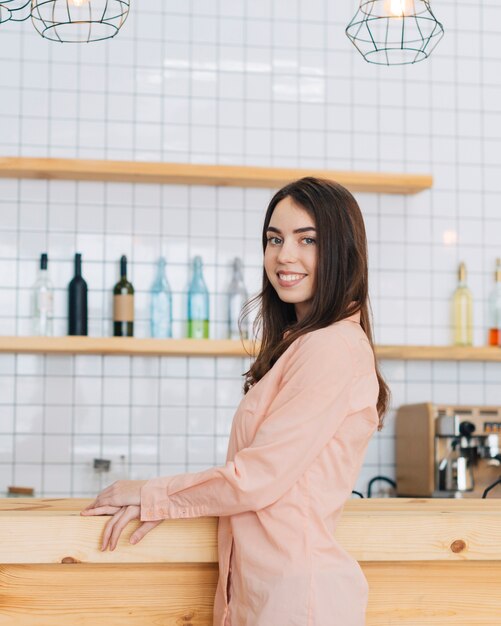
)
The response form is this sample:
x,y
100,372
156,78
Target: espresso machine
x,y
448,451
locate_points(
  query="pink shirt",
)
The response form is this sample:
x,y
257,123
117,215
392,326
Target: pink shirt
x,y
296,447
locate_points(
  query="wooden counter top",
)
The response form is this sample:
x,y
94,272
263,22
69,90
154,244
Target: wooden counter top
x,y
427,562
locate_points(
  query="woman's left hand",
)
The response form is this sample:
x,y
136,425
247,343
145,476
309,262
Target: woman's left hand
x,y
120,493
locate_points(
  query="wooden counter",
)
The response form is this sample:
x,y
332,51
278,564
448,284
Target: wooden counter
x,y
427,562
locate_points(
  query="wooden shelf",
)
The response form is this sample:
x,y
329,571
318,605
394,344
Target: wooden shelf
x,y
439,353
124,345
193,174
218,347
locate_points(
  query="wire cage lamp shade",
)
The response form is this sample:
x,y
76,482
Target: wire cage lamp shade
x,y
77,21
5,13
14,10
394,32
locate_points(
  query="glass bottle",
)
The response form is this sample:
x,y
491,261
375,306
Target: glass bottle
x,y
462,311
161,304
198,303
77,301
123,304
495,308
237,297
43,300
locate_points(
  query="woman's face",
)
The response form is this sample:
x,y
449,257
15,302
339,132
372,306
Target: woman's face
x,y
290,257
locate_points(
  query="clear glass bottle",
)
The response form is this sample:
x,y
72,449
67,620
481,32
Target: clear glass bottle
x,y
237,297
494,338
161,304
198,303
43,300
462,311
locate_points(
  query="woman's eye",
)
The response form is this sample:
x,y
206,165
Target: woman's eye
x,y
271,238
309,239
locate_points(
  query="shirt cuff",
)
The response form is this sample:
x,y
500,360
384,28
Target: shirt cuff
x,y
155,503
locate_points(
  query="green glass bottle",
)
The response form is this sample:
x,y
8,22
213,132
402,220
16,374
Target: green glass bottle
x,y
123,304
198,303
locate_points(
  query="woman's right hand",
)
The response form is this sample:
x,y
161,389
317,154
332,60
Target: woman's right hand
x,y
119,521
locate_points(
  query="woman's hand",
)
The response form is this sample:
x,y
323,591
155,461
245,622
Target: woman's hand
x,y
119,494
119,521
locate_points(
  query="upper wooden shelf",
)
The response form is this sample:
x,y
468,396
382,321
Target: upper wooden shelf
x,y
193,174
218,347
125,345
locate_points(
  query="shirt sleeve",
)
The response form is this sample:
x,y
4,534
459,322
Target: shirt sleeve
x,y
312,401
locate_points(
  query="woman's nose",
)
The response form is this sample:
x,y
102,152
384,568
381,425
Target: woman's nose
x,y
287,253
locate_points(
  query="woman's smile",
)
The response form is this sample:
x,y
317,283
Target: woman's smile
x,y
288,279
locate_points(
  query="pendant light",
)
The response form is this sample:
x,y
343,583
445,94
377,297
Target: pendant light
x,y
77,21
394,32
14,10
5,13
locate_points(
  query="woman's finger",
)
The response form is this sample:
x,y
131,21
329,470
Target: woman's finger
x,y
131,512
110,526
103,498
101,510
143,530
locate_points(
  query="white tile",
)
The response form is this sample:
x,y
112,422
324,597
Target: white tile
x,y
116,365
201,392
174,392
144,449
7,448
28,448
59,365
85,448
57,478
28,389
173,420
28,474
201,420
144,391
29,418
88,365
201,450
87,419
57,449
59,390
58,419
116,391
116,420
144,420
88,390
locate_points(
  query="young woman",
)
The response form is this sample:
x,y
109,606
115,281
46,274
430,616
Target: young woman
x,y
313,399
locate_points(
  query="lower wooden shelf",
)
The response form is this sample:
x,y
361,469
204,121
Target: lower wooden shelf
x,y
219,347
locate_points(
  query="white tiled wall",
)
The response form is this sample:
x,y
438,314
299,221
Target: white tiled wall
x,y
236,82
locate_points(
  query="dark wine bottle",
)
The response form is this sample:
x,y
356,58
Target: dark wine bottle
x,y
123,304
77,301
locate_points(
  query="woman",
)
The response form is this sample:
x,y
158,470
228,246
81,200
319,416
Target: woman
x,y
313,399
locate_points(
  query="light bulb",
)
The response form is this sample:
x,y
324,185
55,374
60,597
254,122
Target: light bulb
x,y
78,3
399,8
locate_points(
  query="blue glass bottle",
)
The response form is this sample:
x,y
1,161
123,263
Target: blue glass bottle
x,y
161,304
198,303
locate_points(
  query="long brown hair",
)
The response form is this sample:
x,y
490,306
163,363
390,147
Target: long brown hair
x,y
342,278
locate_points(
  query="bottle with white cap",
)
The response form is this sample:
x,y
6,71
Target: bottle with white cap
x,y
43,300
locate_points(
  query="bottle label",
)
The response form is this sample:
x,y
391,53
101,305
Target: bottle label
x,y
123,308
